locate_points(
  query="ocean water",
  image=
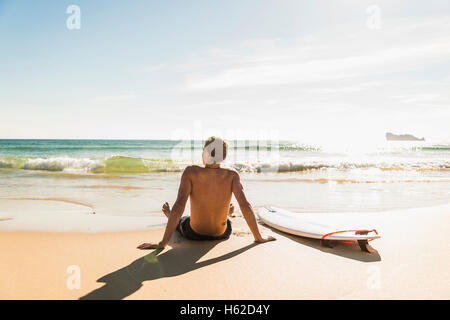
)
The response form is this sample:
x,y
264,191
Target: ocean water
x,y
146,156
134,178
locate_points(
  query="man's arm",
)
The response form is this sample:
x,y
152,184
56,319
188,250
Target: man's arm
x,y
247,210
177,211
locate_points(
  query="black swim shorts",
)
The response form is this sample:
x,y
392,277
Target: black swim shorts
x,y
184,227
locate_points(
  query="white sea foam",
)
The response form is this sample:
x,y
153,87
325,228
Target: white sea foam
x,y
121,164
62,164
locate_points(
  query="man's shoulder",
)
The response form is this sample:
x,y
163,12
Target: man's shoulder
x,y
190,169
231,171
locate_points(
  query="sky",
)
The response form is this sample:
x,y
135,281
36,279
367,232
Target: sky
x,y
312,70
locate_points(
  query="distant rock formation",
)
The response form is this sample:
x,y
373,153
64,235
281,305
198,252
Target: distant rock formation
x,y
402,137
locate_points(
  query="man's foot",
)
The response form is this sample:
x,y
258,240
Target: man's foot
x,y
166,209
231,210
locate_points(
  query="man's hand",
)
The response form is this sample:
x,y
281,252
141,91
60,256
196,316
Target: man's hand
x,y
147,246
263,240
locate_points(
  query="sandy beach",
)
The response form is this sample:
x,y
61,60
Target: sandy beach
x,y
412,263
331,119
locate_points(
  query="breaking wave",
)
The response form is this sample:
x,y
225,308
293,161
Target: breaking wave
x,y
130,165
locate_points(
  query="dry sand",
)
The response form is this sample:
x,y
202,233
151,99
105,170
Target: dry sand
x,y
413,263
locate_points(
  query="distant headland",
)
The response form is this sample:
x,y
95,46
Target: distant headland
x,y
402,137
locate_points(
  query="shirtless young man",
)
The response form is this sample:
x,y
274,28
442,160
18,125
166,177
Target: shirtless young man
x,y
210,189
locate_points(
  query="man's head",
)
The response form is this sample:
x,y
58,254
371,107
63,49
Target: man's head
x,y
214,151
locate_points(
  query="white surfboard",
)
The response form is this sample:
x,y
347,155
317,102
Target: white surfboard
x,y
298,224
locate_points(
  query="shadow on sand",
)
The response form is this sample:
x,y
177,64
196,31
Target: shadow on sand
x,y
181,259
349,251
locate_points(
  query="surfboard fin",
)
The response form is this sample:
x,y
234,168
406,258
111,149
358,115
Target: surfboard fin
x,y
366,247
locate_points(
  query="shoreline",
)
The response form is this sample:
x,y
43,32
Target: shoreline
x,y
111,267
142,195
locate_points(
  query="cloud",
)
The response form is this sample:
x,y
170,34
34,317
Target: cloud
x,y
402,46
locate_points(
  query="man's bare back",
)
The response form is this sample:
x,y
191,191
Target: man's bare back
x,y
210,199
210,189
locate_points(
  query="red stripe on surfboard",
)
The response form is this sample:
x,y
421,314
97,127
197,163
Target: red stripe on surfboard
x,y
356,232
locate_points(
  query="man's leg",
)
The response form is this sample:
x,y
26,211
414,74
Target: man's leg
x,y
231,210
166,209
